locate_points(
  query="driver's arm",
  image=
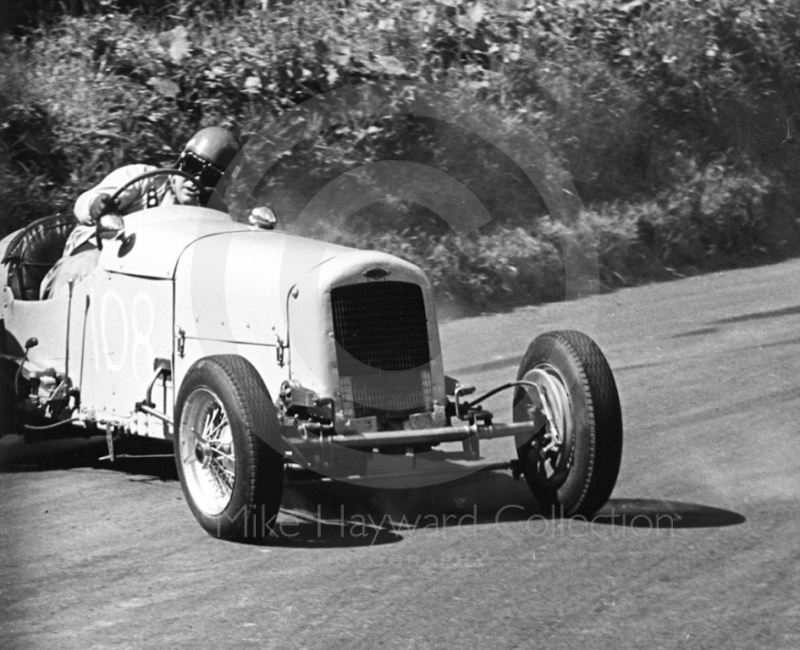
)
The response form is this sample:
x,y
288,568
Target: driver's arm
x,y
131,200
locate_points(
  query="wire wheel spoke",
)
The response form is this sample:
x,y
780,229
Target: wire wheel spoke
x,y
222,476
551,451
208,454
221,454
215,423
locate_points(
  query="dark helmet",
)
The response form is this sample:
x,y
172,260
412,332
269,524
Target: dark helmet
x,y
208,154
215,144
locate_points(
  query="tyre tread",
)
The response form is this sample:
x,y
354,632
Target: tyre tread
x,y
603,412
259,418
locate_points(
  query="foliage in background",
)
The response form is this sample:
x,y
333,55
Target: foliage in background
x,y
675,119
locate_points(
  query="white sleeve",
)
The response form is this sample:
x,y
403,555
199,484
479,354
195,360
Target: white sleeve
x,y
109,185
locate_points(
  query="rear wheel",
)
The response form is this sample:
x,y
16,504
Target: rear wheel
x,y
7,394
227,448
571,464
7,397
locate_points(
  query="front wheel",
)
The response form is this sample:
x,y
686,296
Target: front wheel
x,y
571,464
227,442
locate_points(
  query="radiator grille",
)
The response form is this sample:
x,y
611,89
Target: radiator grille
x,y
382,348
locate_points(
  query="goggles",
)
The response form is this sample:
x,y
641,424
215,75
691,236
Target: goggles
x,y
205,171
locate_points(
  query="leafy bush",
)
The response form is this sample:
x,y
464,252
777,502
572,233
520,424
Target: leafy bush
x,y
673,118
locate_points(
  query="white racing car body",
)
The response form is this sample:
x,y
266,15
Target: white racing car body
x,y
252,348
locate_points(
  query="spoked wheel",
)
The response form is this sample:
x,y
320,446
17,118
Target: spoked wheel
x,y
227,448
555,445
208,455
571,464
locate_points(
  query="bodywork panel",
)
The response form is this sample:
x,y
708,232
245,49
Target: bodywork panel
x,y
105,337
312,345
184,283
154,239
232,291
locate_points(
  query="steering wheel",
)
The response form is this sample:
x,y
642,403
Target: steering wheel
x,y
117,225
161,172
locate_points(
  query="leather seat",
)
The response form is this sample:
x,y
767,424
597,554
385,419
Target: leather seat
x,y
34,251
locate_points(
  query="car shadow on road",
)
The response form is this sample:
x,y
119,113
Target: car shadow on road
x,y
660,514
481,498
294,530
138,456
317,514
330,514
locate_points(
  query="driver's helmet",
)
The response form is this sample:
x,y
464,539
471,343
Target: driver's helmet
x,y
208,154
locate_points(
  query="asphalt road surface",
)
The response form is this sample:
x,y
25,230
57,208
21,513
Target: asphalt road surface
x,y
699,546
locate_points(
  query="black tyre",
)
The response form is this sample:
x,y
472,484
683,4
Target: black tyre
x,y
7,397
231,478
571,464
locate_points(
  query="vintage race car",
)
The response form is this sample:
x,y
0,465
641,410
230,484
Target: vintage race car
x,y
254,350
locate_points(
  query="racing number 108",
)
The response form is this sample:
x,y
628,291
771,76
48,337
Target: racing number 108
x,y
126,329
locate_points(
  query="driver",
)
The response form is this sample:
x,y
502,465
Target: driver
x,y
205,156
